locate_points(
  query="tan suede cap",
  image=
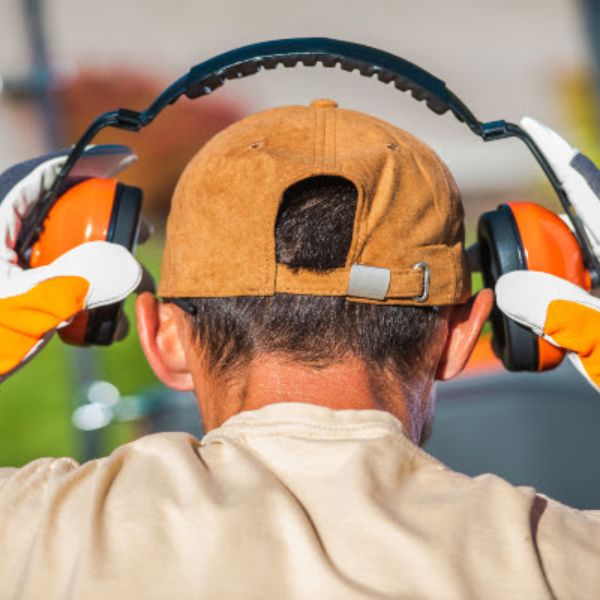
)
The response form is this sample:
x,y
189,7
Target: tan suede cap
x,y
408,240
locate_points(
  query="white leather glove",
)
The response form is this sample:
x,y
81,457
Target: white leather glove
x,y
36,302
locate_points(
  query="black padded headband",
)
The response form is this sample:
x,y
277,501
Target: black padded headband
x,y
209,75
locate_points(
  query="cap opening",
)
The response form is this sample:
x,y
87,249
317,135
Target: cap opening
x,y
315,223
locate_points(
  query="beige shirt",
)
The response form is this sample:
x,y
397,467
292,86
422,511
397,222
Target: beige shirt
x,y
290,501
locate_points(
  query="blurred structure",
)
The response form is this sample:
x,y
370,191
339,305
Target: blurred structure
x,y
163,148
538,430
68,102
65,105
591,19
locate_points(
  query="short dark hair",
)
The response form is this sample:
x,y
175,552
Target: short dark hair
x,y
314,231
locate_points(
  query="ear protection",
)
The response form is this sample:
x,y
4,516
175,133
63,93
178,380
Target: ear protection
x,y
518,235
91,209
521,236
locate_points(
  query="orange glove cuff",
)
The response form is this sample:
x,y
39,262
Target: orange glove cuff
x,y
26,318
576,328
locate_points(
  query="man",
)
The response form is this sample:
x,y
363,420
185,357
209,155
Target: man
x,y
314,287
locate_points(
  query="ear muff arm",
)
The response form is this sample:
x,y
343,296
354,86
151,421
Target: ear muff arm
x,y
207,76
501,129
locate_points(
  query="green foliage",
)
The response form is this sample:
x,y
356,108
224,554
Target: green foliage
x,y
35,407
36,403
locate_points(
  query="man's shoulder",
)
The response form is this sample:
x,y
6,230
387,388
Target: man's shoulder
x,y
36,472
42,473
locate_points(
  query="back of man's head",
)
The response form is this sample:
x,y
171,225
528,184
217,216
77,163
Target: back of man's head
x,y
313,236
314,231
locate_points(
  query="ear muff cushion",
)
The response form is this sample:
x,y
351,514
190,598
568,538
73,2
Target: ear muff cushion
x,y
502,251
123,226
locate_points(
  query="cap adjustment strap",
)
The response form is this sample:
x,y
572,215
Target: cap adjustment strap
x,y
357,281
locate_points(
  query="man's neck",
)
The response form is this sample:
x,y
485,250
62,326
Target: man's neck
x,y
347,384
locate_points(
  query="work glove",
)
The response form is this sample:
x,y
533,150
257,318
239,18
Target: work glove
x,y
557,310
34,303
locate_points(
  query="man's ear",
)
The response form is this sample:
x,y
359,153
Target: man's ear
x,y
161,338
465,325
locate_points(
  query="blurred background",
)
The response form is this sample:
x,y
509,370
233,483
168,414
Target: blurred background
x,y
63,62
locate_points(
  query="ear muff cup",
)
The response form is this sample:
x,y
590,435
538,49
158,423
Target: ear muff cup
x,y
90,210
502,251
519,236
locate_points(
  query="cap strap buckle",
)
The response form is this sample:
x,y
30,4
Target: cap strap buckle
x,y
426,281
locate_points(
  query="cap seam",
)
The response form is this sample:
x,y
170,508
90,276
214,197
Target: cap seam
x,y
453,269
298,176
357,242
323,134
335,114
428,178
315,128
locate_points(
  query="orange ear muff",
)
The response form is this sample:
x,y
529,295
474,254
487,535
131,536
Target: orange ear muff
x,y
82,214
551,247
92,210
524,235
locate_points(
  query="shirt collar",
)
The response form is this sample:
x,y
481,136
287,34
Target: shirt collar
x,y
308,420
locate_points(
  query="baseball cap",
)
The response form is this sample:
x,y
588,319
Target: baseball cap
x,y
408,238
